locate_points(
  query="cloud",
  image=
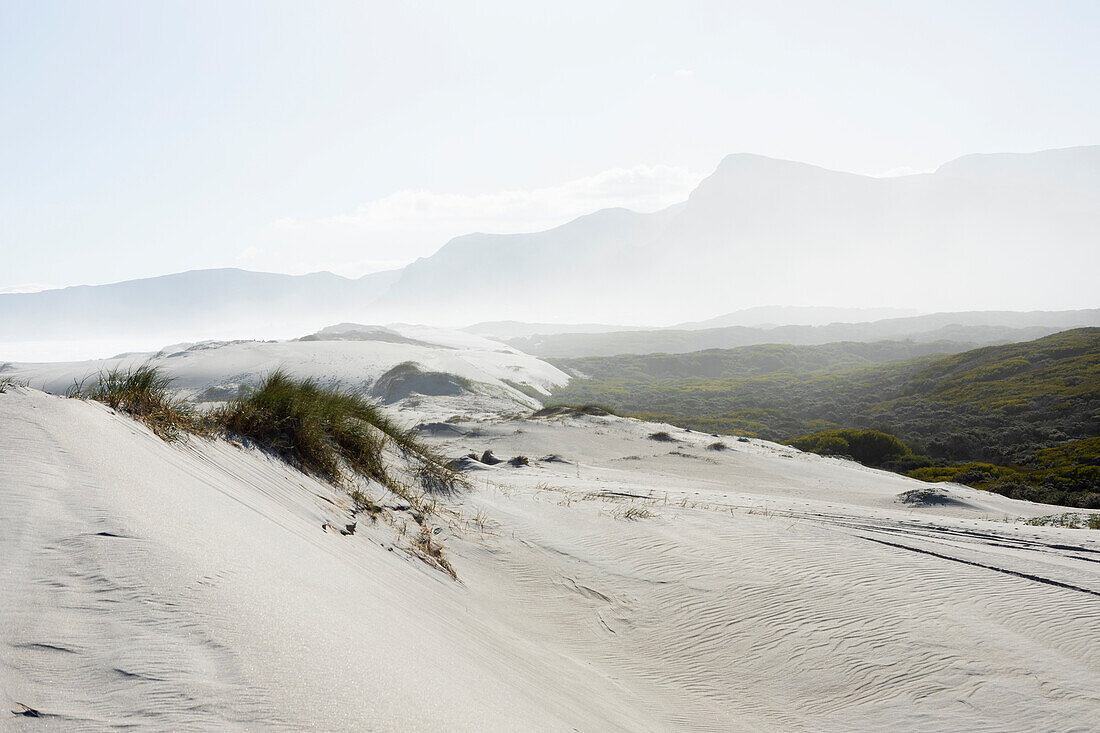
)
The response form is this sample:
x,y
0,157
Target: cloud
x,y
678,75
411,223
642,188
26,288
250,254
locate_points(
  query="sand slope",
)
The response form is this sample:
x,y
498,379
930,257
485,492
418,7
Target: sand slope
x,y
215,370
190,586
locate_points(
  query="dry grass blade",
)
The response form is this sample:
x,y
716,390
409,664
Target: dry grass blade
x,y
633,513
431,552
7,383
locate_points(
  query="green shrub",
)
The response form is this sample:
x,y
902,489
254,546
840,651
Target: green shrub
x,y
870,447
831,445
907,464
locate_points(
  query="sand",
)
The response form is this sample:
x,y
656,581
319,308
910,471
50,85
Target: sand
x,y
626,584
500,377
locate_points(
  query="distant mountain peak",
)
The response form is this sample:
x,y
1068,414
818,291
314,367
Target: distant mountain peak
x,y
753,164
1052,163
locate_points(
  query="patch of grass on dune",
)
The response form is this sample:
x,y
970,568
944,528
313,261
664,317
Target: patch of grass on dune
x,y
329,432
633,513
332,433
431,552
7,383
143,392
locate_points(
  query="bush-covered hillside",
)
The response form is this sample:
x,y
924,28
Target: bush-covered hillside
x,y
755,361
1000,405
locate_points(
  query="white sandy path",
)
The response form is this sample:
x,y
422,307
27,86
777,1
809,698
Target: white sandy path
x,y
788,613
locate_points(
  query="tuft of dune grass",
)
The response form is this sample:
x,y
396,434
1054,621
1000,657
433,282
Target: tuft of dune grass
x,y
144,393
7,383
431,552
333,433
633,513
329,432
336,434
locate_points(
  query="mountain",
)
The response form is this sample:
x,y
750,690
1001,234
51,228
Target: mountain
x,y
581,268
768,316
981,230
502,330
975,328
759,316
222,303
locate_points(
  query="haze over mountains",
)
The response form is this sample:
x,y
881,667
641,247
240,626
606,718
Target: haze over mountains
x,y
974,328
756,231
763,231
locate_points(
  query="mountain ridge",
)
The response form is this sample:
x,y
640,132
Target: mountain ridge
x,y
757,230
975,327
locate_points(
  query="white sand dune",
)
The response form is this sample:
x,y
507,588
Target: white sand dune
x,y
190,586
222,367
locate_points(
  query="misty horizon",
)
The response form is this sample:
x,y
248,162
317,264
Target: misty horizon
x,y
757,231
651,194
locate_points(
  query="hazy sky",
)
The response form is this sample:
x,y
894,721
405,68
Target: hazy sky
x,y
143,138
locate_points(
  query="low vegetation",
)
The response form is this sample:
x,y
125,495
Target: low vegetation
x,y
328,431
1068,474
1026,410
573,410
408,378
676,341
427,549
633,513
1069,520
335,434
7,383
869,447
525,389
143,392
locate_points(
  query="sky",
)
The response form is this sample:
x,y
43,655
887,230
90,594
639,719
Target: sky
x,y
139,139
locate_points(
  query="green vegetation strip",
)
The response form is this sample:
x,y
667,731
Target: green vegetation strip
x,y
1020,419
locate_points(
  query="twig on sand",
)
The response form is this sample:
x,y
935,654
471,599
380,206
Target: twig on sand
x,y
27,711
